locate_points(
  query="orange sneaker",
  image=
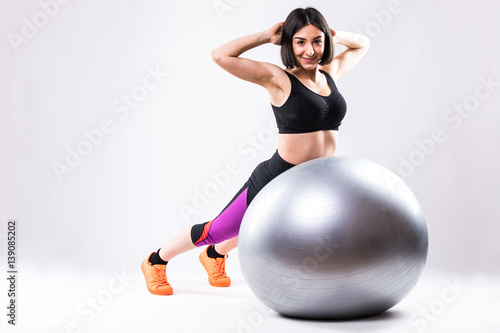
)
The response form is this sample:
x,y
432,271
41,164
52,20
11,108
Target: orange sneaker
x,y
216,269
156,278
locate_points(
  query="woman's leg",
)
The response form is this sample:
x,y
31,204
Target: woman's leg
x,y
223,231
226,246
226,225
178,244
182,242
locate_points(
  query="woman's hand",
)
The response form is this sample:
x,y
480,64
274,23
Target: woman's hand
x,y
334,34
275,33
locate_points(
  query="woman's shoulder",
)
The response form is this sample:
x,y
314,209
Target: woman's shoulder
x,y
329,73
276,70
279,76
280,86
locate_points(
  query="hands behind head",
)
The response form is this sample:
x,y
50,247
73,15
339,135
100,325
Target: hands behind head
x,y
275,33
334,33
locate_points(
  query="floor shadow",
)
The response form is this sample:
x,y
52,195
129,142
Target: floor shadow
x,y
383,316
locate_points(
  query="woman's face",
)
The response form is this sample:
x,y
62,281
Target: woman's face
x,y
308,46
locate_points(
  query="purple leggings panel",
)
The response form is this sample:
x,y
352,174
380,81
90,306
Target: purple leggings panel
x,y
227,224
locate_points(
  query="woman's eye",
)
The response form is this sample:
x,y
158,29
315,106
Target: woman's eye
x,y
318,42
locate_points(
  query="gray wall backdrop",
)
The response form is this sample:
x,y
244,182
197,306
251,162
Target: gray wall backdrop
x,y
117,129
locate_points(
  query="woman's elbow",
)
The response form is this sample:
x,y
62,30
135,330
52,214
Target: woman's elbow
x,y
216,56
365,42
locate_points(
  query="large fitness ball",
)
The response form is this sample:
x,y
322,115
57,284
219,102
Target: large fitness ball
x,y
335,238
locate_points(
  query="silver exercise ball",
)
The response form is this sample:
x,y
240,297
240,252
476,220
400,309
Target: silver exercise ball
x,y
333,238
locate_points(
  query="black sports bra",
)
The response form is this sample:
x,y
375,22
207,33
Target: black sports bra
x,y
306,111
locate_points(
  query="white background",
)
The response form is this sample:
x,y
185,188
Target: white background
x,y
138,183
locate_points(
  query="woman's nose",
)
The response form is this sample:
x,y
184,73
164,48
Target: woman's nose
x,y
309,50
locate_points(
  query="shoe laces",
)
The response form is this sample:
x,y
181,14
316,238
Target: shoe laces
x,y
221,266
160,274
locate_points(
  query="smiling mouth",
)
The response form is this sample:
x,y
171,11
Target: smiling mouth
x,y
309,60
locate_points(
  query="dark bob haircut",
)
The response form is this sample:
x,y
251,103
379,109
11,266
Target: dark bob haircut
x,y
295,21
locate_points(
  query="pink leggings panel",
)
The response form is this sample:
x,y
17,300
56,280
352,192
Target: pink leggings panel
x,y
227,224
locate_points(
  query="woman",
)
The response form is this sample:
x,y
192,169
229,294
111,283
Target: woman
x,y
308,110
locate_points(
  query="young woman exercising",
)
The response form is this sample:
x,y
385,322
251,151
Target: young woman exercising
x,y
308,109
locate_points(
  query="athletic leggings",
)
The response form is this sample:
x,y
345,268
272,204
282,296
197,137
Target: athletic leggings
x,y
227,224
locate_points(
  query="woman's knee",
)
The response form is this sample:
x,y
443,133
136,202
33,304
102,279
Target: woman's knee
x,y
199,232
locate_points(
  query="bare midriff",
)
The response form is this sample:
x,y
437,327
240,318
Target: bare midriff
x,y
302,147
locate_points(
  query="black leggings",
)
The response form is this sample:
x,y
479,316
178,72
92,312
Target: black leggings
x,y
227,224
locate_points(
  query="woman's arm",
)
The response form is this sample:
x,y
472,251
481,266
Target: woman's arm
x,y
357,46
228,57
